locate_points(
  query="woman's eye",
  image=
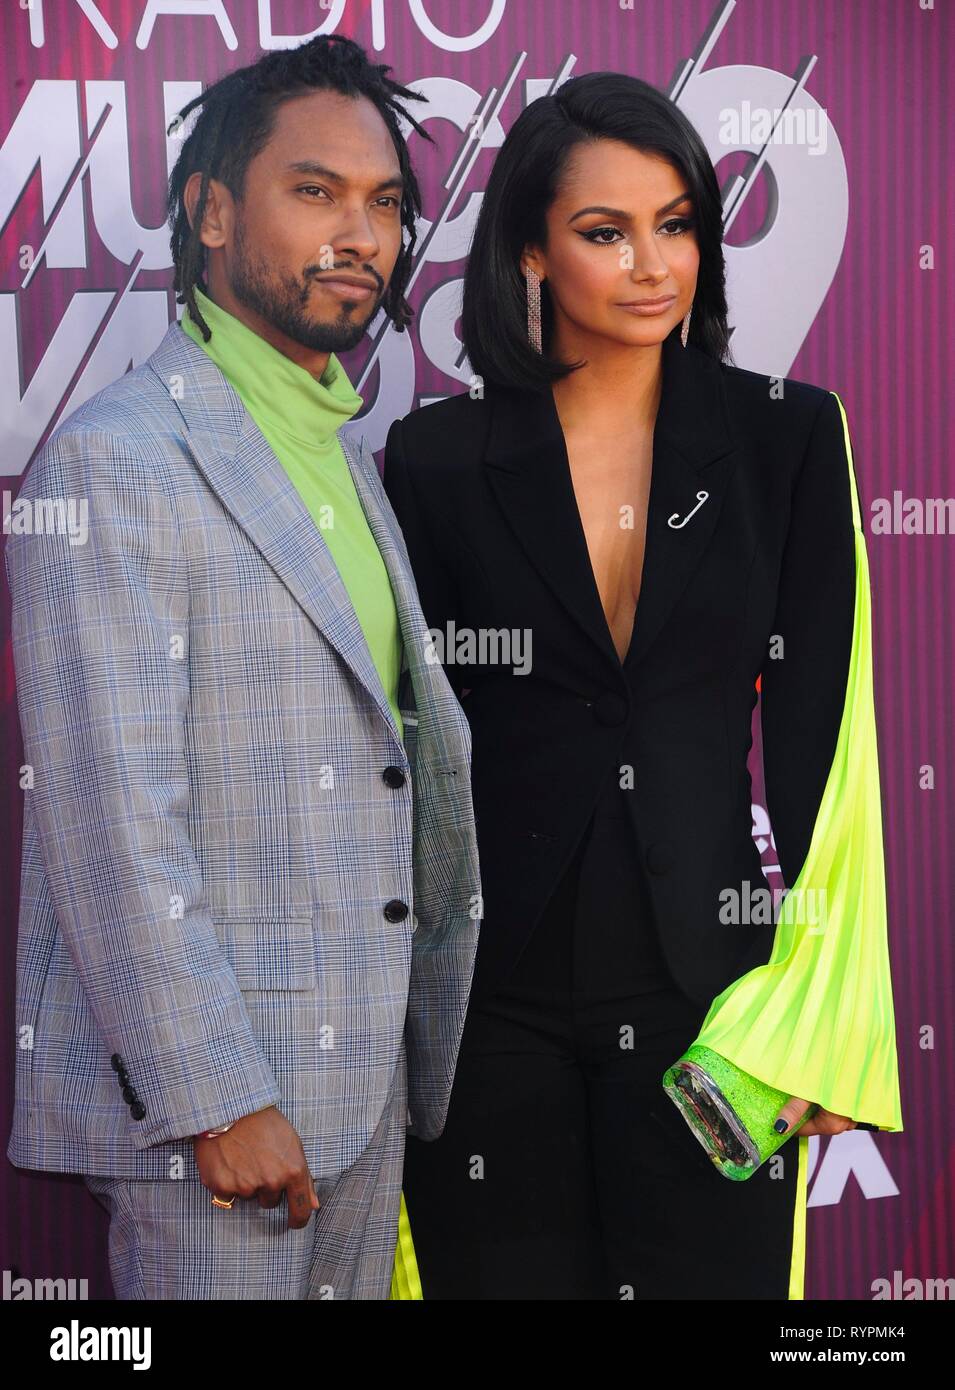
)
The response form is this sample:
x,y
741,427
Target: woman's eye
x,y
597,233
676,226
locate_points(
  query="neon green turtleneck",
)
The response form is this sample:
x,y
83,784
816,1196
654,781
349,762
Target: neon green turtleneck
x,y
299,417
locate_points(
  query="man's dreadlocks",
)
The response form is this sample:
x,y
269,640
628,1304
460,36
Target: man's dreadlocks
x,y
235,123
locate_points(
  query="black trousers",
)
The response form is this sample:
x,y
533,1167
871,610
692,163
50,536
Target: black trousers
x,y
564,1170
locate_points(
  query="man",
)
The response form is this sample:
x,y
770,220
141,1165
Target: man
x,y
246,888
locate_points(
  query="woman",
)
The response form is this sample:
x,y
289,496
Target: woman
x,y
629,531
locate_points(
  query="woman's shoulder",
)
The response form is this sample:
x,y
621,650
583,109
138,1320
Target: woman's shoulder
x,y
781,402
442,443
461,418
749,389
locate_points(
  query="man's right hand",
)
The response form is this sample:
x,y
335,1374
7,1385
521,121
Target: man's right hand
x,y
260,1156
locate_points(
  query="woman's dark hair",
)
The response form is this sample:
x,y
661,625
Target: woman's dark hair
x,y
235,124
523,183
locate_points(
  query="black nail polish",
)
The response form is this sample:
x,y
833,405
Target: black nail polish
x,y
781,1125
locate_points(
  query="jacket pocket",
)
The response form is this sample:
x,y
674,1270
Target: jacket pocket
x,y
270,952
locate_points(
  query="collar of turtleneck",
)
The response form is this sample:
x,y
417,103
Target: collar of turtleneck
x,y
276,391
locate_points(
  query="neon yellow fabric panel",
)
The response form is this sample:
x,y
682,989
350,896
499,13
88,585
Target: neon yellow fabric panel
x,y
817,1020
405,1281
797,1265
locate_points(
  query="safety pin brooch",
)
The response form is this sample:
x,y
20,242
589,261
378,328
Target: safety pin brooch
x,y
701,498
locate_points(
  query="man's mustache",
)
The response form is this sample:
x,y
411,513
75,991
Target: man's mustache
x,y
316,272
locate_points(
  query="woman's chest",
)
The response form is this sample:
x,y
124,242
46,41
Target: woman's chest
x,y
683,564
611,495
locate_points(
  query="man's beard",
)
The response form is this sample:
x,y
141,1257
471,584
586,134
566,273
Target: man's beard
x,y
283,302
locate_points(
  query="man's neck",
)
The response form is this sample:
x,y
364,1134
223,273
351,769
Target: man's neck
x,y
314,362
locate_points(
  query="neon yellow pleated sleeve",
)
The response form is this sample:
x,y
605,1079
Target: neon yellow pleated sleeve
x,y
817,1020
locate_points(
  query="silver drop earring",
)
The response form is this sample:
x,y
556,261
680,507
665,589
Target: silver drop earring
x,y
685,330
533,308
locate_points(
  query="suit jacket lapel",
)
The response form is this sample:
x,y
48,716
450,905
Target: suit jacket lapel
x,y
390,542
241,468
693,453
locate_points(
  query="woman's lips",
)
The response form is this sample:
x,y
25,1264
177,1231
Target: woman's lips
x,y
650,308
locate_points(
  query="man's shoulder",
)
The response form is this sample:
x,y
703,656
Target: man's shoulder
x,y
128,407
134,421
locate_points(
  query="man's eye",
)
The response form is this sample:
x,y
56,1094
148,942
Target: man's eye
x,y
395,202
310,188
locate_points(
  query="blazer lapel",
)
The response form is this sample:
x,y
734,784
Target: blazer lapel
x,y
693,454
427,685
241,468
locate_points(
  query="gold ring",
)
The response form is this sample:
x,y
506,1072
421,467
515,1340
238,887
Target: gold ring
x,y
220,1202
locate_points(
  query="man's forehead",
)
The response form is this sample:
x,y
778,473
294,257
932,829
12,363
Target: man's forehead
x,y
332,136
341,118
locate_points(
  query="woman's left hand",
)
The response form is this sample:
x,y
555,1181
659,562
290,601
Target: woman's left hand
x,y
823,1122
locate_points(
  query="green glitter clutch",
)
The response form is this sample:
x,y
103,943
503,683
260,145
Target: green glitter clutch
x,y
730,1112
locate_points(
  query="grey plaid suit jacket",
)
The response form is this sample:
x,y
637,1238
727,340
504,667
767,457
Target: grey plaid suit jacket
x,y
209,841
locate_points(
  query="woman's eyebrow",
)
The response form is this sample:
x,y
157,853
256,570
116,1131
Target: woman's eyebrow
x,y
625,216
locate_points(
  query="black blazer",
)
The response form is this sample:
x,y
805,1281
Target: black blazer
x,y
483,492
